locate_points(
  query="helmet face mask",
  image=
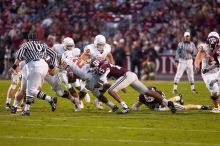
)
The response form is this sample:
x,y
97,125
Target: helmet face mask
x,y
94,65
68,43
100,42
213,40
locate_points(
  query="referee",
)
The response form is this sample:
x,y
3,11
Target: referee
x,y
186,50
35,53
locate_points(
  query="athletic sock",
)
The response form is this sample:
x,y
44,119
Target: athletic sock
x,y
175,86
27,107
15,104
110,104
192,86
123,104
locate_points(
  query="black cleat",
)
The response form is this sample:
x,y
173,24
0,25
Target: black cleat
x,y
53,103
7,106
194,91
206,107
124,111
26,113
175,91
13,110
114,109
171,107
181,99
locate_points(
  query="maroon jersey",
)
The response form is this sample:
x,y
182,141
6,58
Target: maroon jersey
x,y
215,54
115,71
150,101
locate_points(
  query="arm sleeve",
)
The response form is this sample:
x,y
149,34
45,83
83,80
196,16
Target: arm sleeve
x,y
20,53
52,54
178,52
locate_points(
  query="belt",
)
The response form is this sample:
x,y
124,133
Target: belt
x,y
36,60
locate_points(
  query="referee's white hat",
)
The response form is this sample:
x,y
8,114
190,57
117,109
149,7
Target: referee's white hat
x,y
186,34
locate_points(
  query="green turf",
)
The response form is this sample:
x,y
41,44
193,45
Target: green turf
x,y
94,127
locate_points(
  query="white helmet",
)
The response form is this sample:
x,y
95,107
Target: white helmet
x,y
100,40
68,43
213,39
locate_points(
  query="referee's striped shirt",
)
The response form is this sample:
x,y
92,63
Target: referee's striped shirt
x,y
183,50
35,50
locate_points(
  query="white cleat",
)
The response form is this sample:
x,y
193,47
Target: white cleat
x,y
81,104
98,104
215,110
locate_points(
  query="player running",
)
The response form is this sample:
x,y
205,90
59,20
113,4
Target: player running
x,y
209,55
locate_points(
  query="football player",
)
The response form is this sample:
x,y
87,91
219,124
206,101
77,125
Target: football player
x,y
124,78
209,55
99,50
154,105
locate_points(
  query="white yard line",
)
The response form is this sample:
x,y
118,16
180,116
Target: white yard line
x,y
107,127
105,140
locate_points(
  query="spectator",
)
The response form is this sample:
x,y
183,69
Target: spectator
x,y
136,58
119,53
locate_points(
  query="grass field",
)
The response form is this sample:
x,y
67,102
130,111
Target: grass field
x,y
94,127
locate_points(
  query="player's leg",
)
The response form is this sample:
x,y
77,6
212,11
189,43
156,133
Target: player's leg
x,y
179,73
14,82
178,98
119,84
190,74
197,107
214,89
141,88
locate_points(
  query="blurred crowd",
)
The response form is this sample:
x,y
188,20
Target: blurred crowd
x,y
136,29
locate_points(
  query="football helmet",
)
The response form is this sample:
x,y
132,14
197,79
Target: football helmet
x,y
68,43
100,42
213,39
94,65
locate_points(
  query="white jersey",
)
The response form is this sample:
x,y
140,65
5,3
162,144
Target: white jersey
x,y
94,53
71,54
59,49
208,61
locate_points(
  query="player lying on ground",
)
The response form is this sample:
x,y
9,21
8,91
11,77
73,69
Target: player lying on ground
x,y
124,78
154,105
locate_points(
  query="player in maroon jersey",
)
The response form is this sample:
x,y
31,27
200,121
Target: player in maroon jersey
x,y
124,78
154,105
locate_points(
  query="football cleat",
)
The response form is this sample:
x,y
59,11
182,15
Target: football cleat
x,y
26,113
124,110
13,110
114,109
175,91
7,106
53,103
181,101
215,110
194,91
171,107
206,107
98,104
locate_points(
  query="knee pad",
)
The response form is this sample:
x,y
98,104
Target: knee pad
x,y
215,96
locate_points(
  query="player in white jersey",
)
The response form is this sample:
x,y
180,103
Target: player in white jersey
x,y
67,47
98,50
15,78
78,84
79,69
209,55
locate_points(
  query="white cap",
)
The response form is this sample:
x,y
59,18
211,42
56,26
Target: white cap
x,y
186,34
